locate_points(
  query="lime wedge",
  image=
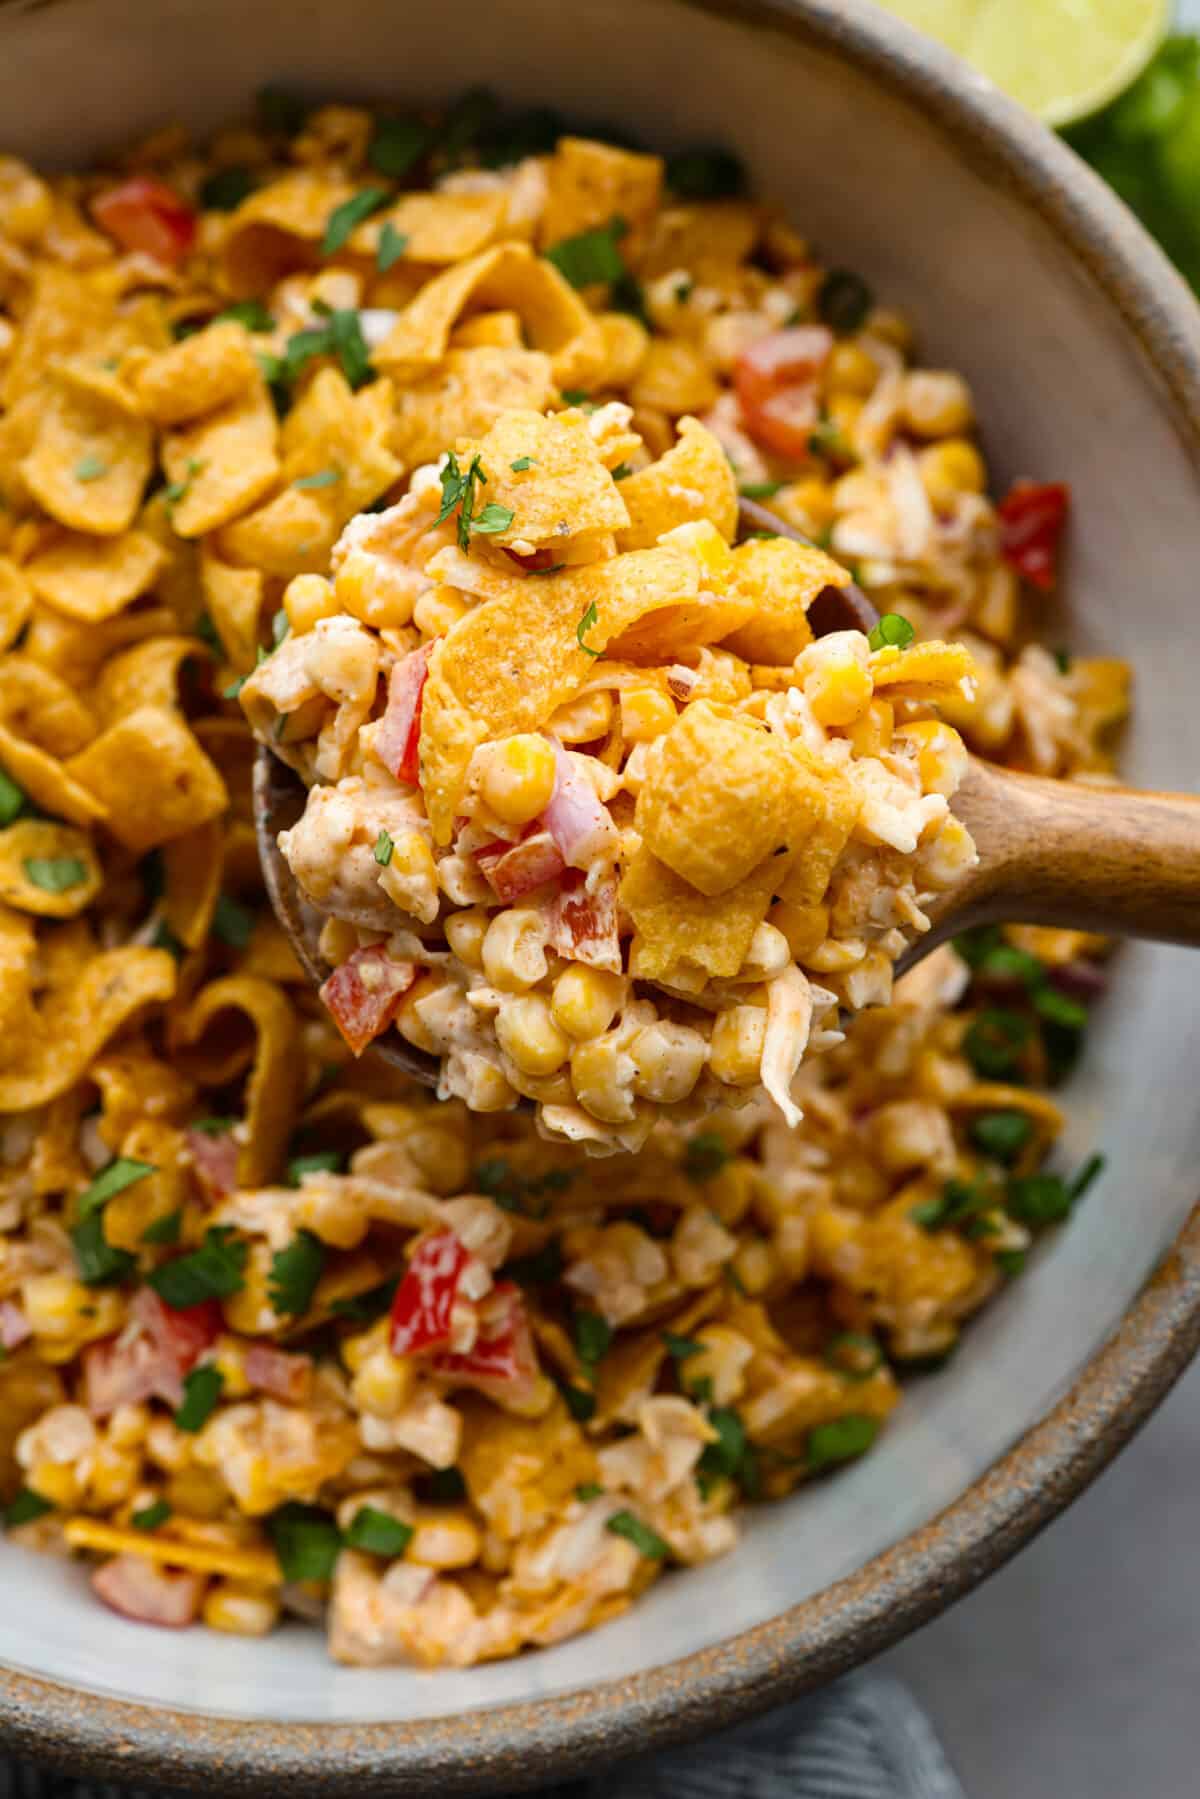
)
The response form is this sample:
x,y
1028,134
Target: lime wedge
x,y
1063,59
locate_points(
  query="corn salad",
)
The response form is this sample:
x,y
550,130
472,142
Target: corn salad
x,y
296,430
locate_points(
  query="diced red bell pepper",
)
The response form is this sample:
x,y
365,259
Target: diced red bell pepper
x,y
398,742
141,1590
777,381
502,1361
512,869
365,993
583,925
1032,515
145,214
214,1158
424,1303
152,1363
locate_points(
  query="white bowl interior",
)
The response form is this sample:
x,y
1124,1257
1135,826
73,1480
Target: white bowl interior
x,y
1062,392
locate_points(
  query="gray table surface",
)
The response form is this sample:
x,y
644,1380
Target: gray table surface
x,y
1073,1673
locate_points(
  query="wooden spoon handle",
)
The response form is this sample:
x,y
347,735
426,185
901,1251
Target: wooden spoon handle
x,y
1101,859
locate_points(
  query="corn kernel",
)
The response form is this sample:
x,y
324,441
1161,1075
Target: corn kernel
x,y
598,1071
735,1050
950,468
63,1311
409,877
357,1349
465,932
646,712
722,1360
668,1059
583,719
527,1032
994,609
197,1493
114,1474
701,539
409,1022
936,403
768,954
338,940
838,692
755,1265
240,1610
805,927
871,732
941,754
55,1481
444,1539
850,370
438,609
26,204
383,1384
514,950
808,504
308,598
518,777
230,1364
844,411
585,1000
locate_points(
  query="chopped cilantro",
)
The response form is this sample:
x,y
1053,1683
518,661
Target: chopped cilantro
x,y
250,313
590,256
726,1454
123,1172
55,874
995,1041
201,1391
206,631
151,1516
541,1269
705,173
521,464
232,923
576,396
347,217
25,1507
647,1542
90,467
306,1541
622,472
1060,1009
704,1155
466,119
958,1201
587,1490
398,145
323,1161
1091,1171
1062,660
391,247
492,519
591,617
1001,1134
324,477
99,1264
759,490
579,1402
368,1307
339,335
893,630
213,1127
854,1354
681,1347
225,190
593,1335
295,1272
235,687
843,301
383,849
214,1271
11,799
841,1440
378,1532
1038,1199
1011,1261
164,1230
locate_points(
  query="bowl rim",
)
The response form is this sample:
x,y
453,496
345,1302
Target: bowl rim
x,y
520,1745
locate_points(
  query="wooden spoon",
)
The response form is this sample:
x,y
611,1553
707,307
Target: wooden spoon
x,y
1104,859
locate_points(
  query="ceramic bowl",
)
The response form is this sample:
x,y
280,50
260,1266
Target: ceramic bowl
x,y
1083,350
